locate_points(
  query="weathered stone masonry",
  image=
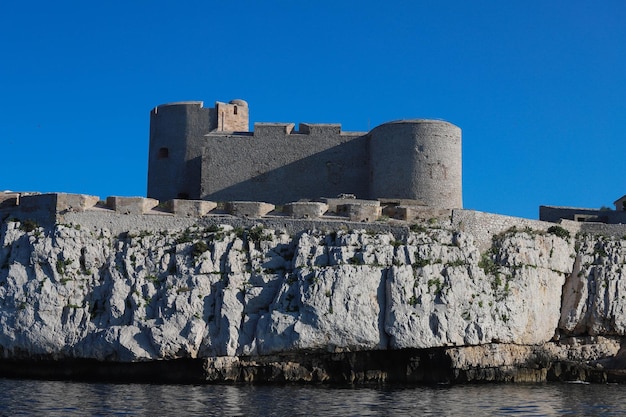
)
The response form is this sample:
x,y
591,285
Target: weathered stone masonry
x,y
208,154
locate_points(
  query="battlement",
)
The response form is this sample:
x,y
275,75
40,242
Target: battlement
x,y
262,130
273,129
319,129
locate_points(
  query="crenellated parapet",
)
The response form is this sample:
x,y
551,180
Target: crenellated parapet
x,y
270,130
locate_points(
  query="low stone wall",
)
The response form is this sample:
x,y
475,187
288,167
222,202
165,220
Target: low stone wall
x,y
52,205
8,199
482,226
55,207
556,214
190,208
306,210
602,229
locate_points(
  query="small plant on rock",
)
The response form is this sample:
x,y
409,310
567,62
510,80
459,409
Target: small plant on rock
x,y
420,263
418,228
61,265
28,225
257,234
396,243
488,264
436,282
559,231
199,248
457,262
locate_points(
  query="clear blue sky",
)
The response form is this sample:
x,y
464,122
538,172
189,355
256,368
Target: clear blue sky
x,y
538,87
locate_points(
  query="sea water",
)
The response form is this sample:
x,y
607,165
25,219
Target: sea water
x,y
54,398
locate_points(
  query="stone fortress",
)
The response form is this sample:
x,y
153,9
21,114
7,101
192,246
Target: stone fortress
x,y
204,163
203,153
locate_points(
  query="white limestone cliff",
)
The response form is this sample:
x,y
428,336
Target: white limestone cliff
x,y
594,296
71,291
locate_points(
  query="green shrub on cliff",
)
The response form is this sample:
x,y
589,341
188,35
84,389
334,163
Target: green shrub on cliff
x,y
488,264
559,232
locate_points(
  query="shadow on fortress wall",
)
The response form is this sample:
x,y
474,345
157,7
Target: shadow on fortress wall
x,y
342,169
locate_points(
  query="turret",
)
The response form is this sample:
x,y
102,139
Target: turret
x,y
232,116
176,144
173,128
417,159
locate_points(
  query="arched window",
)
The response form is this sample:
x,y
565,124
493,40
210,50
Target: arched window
x,y
163,153
235,110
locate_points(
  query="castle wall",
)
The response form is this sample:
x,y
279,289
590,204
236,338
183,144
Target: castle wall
x,y
279,165
134,213
616,229
207,153
483,226
417,159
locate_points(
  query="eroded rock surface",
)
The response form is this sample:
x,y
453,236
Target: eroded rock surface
x,y
219,292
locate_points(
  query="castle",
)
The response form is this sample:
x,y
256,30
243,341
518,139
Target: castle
x,y
206,162
201,153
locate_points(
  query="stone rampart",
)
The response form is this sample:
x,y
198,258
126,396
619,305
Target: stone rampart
x,y
55,207
319,129
45,207
618,230
306,210
262,130
426,160
190,208
482,226
131,205
333,213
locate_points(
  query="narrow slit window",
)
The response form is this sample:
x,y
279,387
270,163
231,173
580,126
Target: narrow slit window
x,y
163,153
235,110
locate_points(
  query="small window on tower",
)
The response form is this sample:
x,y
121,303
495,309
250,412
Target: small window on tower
x,y
163,153
235,110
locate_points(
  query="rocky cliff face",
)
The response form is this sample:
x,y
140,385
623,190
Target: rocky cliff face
x,y
240,296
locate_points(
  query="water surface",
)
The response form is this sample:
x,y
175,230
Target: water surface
x,y
54,398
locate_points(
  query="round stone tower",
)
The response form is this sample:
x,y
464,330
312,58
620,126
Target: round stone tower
x,y
173,159
417,159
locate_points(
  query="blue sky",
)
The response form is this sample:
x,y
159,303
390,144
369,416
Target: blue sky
x,y
538,87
